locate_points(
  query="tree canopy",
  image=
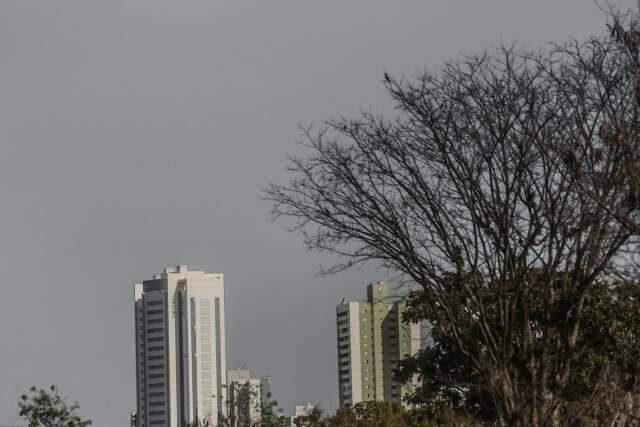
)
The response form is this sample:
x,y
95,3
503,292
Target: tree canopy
x,y
506,189
46,408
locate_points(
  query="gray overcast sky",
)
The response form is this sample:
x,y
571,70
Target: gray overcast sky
x,y
136,134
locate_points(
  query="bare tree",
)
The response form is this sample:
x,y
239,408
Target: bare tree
x,y
505,178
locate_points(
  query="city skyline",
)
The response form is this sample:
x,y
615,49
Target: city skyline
x,y
138,134
181,371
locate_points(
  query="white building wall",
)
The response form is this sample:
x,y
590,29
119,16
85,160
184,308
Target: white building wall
x,y
354,345
415,331
301,411
182,364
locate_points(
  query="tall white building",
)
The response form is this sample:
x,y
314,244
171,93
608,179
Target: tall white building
x,y
180,348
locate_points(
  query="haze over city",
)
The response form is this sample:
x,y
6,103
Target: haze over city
x,y
138,134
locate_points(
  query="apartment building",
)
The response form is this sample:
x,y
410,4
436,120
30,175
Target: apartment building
x,y
372,339
180,348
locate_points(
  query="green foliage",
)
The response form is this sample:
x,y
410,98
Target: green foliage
x,y
238,413
45,408
269,416
315,419
608,345
379,414
245,394
371,413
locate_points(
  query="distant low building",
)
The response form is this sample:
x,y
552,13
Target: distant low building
x,y
302,411
372,339
265,390
246,396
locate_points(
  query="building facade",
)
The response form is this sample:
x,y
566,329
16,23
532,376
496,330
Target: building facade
x,y
372,339
246,397
301,411
265,390
180,348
